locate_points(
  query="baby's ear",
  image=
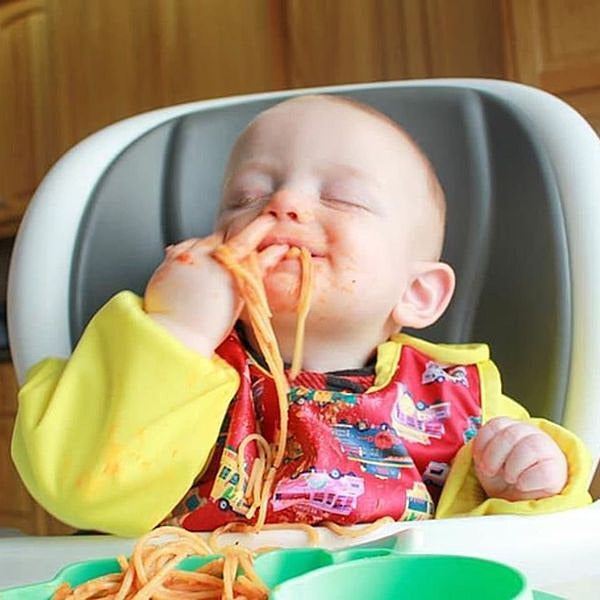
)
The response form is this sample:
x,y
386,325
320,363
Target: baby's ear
x,y
426,295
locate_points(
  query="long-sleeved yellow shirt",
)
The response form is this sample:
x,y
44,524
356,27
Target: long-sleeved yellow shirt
x,y
114,437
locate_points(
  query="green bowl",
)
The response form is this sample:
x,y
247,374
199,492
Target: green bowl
x,y
423,577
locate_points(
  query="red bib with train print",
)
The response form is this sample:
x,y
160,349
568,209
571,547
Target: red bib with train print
x,y
350,457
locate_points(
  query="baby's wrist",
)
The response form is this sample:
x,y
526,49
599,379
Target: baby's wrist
x,y
185,334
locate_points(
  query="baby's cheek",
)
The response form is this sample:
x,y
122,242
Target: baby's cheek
x,y
161,273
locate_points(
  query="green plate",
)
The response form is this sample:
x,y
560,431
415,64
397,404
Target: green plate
x,y
314,573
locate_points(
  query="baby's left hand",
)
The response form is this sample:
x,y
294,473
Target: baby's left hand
x,y
517,461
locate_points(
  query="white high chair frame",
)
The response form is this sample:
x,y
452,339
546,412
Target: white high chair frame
x,y
557,551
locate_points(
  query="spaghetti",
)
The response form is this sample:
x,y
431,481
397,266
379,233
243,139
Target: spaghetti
x,y
249,282
151,573
354,532
303,308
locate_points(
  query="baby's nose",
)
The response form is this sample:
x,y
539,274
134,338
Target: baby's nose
x,y
289,205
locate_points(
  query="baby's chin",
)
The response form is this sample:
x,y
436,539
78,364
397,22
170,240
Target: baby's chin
x,y
282,290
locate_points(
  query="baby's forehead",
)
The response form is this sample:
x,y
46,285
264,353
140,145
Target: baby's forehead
x,y
321,121
328,110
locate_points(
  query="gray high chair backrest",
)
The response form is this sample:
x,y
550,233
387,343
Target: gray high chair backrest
x,y
505,231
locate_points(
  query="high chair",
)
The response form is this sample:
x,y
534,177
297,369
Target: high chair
x,y
520,170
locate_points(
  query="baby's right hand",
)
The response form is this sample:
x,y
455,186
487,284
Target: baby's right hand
x,y
194,297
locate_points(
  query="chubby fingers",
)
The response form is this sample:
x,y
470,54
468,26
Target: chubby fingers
x,y
532,460
549,475
247,240
194,245
271,255
487,433
497,440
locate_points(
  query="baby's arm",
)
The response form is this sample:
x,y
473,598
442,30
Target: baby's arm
x,y
464,494
113,438
518,461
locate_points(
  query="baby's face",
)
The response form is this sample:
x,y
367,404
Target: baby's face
x,y
347,186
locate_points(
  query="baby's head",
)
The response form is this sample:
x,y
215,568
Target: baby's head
x,y
350,185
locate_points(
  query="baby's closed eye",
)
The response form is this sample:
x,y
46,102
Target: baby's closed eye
x,y
347,194
246,199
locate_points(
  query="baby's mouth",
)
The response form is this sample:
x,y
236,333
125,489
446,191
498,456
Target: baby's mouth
x,y
292,242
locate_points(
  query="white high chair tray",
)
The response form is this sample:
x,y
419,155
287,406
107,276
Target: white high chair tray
x,y
555,557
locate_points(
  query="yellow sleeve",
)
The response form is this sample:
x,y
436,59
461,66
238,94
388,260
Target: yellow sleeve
x,y
464,496
114,437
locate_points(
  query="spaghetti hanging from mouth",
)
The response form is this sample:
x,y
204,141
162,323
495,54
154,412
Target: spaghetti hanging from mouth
x,y
249,281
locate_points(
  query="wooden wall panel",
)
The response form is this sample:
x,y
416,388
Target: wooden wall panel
x,y
555,45
334,41
17,509
114,59
345,41
26,141
465,38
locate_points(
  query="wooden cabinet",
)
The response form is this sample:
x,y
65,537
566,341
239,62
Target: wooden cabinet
x,y
70,67
26,144
17,509
555,45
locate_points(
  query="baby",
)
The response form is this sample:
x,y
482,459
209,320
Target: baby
x,y
144,422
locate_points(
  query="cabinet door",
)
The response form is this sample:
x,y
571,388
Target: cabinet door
x,y
348,41
555,45
26,140
115,58
18,510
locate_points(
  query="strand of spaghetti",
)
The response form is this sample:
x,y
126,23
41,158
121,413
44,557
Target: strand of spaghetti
x,y
257,486
216,533
303,308
263,467
264,500
353,532
153,583
260,441
195,576
264,449
242,275
127,582
106,583
214,567
250,573
245,586
185,593
311,532
229,573
255,269
252,479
